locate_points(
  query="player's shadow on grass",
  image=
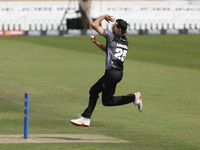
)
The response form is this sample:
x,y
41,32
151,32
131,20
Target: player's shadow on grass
x,y
62,138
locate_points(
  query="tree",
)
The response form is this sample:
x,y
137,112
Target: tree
x,y
84,7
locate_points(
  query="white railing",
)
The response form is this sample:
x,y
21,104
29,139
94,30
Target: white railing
x,y
153,15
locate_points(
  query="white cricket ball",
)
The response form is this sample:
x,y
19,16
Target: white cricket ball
x,y
92,36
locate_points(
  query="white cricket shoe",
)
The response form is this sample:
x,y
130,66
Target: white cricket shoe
x,y
81,121
138,101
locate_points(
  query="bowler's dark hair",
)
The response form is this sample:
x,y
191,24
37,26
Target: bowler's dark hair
x,y
122,24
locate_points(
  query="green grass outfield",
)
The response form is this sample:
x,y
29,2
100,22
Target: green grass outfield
x,y
59,71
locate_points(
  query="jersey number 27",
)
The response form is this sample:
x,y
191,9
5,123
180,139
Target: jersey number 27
x,y
120,54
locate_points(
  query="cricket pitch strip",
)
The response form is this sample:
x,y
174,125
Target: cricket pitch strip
x,y
59,138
